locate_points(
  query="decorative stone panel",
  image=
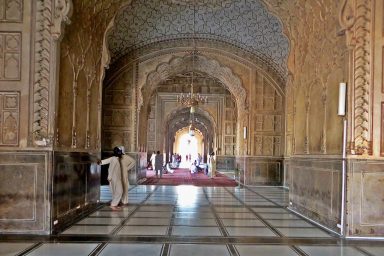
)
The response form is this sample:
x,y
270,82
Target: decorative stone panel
x,y
10,56
315,189
23,191
11,10
9,122
365,198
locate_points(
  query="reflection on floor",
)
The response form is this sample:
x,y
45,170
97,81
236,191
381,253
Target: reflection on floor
x,y
189,220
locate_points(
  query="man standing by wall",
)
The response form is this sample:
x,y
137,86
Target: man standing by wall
x,y
127,163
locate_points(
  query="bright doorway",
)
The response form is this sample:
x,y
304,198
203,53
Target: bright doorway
x,y
187,145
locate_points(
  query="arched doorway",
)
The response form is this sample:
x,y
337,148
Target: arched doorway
x,y
188,146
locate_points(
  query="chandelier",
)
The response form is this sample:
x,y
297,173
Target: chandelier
x,y
191,99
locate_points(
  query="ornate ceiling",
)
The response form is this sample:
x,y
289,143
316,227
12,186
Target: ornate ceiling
x,y
244,23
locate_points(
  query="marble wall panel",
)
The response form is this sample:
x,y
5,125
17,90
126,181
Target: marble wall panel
x,y
24,180
365,206
315,189
261,170
225,162
76,186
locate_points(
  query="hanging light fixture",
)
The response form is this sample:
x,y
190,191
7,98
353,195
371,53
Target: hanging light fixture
x,y
191,99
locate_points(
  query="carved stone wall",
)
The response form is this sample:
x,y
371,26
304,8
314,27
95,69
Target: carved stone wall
x,y
9,123
317,64
267,118
79,96
10,56
11,11
118,113
230,127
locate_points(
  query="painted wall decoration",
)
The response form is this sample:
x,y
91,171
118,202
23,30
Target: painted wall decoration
x,y
245,23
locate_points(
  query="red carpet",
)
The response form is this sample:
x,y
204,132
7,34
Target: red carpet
x,y
184,177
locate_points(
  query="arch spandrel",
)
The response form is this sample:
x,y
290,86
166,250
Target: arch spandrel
x,y
203,64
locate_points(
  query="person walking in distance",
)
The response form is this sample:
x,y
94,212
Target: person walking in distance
x,y
212,165
114,177
127,163
159,164
152,160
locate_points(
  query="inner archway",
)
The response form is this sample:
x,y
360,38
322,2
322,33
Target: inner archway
x,y
188,146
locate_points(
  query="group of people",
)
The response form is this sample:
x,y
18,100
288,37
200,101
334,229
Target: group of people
x,y
209,169
119,166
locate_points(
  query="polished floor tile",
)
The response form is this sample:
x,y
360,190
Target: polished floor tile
x,y
194,222
289,223
147,208
265,250
242,223
100,221
195,231
131,249
198,249
274,216
63,249
231,209
197,215
141,214
187,220
269,210
254,231
331,251
237,215
112,214
10,249
303,232
143,230
374,250
148,221
76,230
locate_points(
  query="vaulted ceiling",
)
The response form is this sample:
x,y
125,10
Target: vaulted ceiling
x,y
244,23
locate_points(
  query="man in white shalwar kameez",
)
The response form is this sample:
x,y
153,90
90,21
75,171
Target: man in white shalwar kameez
x,y
114,177
127,163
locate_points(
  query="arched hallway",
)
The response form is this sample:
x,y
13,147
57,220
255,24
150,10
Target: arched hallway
x,y
187,220
291,96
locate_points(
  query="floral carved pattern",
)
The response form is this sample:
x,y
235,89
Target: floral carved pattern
x,y
356,20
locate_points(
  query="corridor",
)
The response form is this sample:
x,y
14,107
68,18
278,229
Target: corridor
x,y
188,220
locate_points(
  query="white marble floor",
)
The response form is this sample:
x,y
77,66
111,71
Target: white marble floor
x,y
188,220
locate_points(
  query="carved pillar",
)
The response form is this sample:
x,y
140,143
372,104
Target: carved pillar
x,y
356,20
51,15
